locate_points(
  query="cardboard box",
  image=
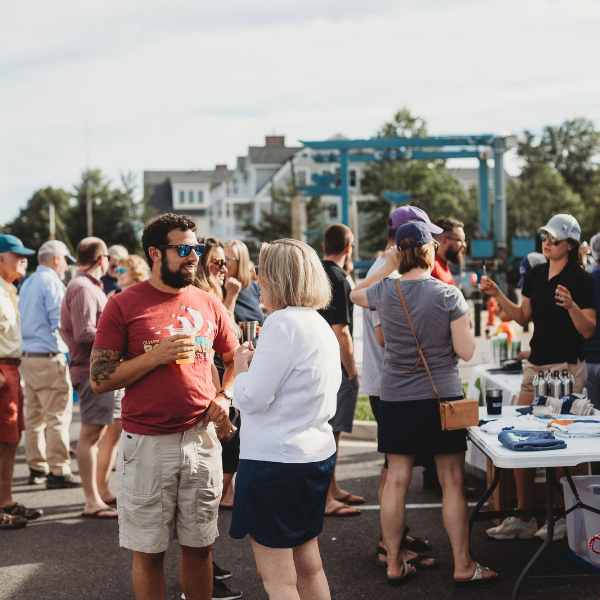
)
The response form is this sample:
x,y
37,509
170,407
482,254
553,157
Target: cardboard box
x,y
505,495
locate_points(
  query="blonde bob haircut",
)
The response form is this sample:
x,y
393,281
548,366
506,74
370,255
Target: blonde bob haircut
x,y
240,251
291,274
414,258
138,266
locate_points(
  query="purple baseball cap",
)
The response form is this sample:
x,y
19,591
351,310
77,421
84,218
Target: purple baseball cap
x,y
406,214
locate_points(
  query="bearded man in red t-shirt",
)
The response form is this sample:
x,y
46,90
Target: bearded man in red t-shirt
x,y
452,248
169,475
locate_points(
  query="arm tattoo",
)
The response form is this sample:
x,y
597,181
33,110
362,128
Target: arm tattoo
x,y
103,363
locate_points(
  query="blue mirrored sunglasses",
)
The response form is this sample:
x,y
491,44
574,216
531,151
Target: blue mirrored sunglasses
x,y
184,249
121,270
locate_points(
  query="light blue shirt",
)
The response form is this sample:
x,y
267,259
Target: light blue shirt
x,y
40,298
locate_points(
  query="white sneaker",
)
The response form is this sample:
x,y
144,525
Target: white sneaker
x,y
560,530
512,528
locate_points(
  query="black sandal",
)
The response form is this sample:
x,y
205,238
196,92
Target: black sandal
x,y
417,544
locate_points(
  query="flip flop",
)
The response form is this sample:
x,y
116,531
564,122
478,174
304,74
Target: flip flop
x,y
226,506
402,579
418,561
351,499
381,562
96,515
338,512
111,503
477,578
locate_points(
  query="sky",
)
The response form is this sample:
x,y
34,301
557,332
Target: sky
x,y
188,84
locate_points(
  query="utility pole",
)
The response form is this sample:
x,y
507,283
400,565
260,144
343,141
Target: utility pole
x,y
88,189
52,219
296,225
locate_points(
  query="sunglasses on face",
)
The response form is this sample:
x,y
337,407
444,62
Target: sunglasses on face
x,y
256,270
547,236
184,249
219,262
121,270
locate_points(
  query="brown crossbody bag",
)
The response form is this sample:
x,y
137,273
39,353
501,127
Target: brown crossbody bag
x,y
458,414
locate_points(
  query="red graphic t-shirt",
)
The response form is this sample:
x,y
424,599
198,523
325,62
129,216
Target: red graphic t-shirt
x,y
172,397
441,271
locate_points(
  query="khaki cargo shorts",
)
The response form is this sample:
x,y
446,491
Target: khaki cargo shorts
x,y
578,370
169,486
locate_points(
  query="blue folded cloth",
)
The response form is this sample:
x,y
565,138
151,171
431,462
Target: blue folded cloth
x,y
529,441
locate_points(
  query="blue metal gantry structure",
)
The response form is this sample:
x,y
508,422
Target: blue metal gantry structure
x,y
482,147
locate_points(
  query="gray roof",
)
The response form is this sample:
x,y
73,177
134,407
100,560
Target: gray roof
x,y
216,176
241,164
270,155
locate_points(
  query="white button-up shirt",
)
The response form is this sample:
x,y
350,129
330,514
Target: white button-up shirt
x,y
11,343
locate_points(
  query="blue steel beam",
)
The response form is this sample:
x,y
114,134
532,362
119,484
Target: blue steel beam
x,y
398,142
344,187
485,218
397,155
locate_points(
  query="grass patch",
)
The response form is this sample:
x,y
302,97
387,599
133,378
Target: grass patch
x,y
363,409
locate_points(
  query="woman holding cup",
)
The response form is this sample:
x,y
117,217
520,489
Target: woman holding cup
x,y
286,390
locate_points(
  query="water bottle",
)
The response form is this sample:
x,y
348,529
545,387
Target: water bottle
x,y
539,385
567,383
548,382
556,386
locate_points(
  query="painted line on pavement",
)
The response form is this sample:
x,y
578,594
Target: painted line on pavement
x,y
432,505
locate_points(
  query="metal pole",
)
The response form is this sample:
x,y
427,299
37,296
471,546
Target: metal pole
x,y
500,208
52,221
344,186
484,197
354,223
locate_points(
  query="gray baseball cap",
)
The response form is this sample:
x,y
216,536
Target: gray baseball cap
x,y
562,227
56,248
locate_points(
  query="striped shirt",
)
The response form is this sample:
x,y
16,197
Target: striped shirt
x,y
80,312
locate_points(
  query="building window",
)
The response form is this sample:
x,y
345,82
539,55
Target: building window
x,y
338,177
181,197
352,178
200,197
191,197
333,211
301,177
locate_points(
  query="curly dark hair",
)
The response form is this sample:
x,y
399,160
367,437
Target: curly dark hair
x,y
156,232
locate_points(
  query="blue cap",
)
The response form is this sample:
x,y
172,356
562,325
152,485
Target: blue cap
x,y
11,243
416,231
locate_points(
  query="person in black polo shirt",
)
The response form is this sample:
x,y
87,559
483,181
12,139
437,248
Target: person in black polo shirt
x,y
337,252
559,297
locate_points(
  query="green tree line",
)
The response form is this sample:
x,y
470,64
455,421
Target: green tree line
x,y
117,217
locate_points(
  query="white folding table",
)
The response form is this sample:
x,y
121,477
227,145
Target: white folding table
x,y
578,450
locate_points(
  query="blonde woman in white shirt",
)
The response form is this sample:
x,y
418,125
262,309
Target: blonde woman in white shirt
x,y
286,390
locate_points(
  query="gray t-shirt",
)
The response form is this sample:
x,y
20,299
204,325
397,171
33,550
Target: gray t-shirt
x,y
432,306
372,351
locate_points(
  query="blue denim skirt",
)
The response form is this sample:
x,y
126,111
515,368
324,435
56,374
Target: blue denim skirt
x,y
282,505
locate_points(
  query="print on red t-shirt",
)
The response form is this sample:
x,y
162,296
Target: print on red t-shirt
x,y
171,397
441,271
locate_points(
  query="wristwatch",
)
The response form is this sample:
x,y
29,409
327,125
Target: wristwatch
x,y
227,395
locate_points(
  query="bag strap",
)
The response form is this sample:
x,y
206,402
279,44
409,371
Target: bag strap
x,y
419,349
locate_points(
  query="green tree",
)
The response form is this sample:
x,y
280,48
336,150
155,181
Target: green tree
x,y
277,223
431,186
32,225
117,217
538,193
570,149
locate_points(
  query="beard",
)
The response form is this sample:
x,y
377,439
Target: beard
x,y
176,279
454,257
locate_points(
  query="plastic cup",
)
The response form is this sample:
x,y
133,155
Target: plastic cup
x,y
191,337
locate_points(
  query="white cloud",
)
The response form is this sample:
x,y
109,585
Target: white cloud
x,y
187,84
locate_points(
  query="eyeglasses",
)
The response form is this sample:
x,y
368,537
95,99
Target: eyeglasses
x,y
219,262
256,270
549,237
184,249
121,270
456,239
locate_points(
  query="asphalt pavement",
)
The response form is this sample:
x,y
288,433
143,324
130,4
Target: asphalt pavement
x,y
62,556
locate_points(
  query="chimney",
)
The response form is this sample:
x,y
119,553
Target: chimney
x,y
221,168
275,140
